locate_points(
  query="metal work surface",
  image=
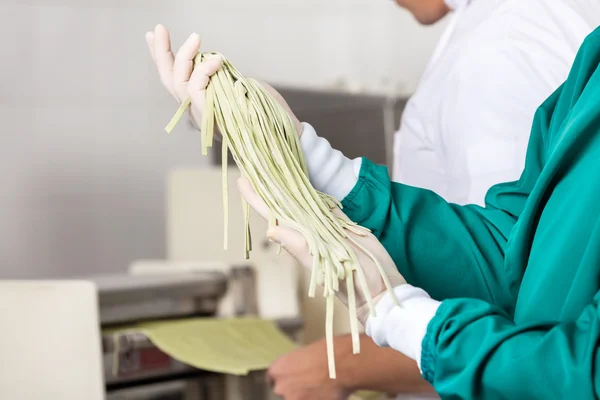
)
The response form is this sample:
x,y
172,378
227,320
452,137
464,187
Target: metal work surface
x,y
127,298
140,362
135,369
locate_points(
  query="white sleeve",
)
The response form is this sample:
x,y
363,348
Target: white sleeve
x,y
329,170
489,99
403,328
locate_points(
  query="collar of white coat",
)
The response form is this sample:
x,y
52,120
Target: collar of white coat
x,y
456,4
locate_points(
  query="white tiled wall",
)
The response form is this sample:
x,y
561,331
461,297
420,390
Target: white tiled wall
x,y
83,158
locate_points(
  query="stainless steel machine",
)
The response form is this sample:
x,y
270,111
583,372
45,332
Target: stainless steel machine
x,y
146,373
359,125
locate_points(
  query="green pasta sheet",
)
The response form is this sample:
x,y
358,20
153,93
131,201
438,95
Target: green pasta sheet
x,y
233,346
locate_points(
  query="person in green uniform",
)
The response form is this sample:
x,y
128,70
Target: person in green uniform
x,y
502,301
497,302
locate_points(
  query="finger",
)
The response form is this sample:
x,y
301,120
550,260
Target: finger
x,y
340,214
150,43
270,379
287,237
164,57
184,64
196,88
272,372
278,390
252,198
293,242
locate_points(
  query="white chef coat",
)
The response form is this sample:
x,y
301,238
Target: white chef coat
x,y
467,126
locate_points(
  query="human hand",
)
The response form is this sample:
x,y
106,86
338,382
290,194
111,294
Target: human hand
x,y
178,73
183,78
303,375
296,245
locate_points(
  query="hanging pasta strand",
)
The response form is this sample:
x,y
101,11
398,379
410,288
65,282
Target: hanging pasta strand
x,y
225,184
264,144
247,235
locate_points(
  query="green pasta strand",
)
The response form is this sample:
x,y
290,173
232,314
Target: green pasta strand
x,y
264,144
247,236
225,187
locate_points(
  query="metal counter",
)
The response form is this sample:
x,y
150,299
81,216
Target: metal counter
x,y
146,373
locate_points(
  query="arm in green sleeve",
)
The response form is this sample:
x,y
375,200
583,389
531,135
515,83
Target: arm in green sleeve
x,y
447,249
458,251
473,350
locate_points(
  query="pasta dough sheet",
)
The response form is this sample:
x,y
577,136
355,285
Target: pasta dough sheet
x,y
233,346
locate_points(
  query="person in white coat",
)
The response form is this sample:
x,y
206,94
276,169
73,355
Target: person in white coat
x,y
467,126
465,129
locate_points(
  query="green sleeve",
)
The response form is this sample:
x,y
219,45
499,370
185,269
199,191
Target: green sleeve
x,y
497,359
458,251
450,250
474,349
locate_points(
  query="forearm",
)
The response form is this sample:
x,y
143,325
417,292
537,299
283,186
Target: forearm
x,y
410,221
376,368
468,348
329,170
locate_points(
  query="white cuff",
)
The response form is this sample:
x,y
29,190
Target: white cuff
x,y
329,170
403,328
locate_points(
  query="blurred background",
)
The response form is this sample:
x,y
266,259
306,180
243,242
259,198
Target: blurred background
x,y
84,159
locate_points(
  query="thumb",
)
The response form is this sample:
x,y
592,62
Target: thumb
x,y
293,242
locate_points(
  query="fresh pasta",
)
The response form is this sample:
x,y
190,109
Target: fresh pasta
x,y
264,144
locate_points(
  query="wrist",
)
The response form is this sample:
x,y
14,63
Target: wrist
x,y
403,328
346,373
329,170
388,370
350,368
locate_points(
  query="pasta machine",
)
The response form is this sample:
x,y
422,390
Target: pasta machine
x,y
143,372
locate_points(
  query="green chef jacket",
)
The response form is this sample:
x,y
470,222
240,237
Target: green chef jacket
x,y
519,279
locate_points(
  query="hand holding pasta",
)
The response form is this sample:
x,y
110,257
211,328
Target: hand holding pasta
x,y
263,137
372,257
186,78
